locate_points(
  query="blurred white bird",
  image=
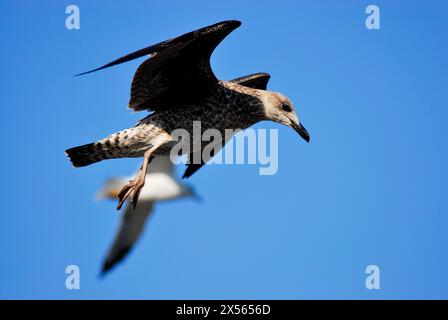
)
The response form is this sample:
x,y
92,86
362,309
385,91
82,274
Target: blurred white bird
x,y
162,185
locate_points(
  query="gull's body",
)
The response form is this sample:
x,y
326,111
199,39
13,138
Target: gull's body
x,y
178,84
163,185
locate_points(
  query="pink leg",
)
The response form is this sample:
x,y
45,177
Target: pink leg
x,y
134,186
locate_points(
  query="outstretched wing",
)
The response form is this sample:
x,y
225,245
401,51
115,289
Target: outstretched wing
x,y
257,81
178,70
131,227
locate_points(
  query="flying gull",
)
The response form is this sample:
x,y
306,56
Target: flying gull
x,y
178,85
163,185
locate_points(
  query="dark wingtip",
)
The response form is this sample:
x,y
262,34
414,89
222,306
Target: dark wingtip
x,y
267,75
109,264
188,172
87,72
236,23
94,70
126,58
233,24
105,269
227,25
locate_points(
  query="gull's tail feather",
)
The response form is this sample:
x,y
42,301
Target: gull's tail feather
x,y
121,144
86,154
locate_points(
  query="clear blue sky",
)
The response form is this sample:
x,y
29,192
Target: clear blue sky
x,y
370,188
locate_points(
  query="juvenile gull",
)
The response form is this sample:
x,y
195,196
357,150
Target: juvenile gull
x,y
178,85
162,186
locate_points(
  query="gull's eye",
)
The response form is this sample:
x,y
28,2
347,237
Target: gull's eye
x,y
286,107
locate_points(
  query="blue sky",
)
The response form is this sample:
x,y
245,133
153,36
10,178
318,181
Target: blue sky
x,y
370,188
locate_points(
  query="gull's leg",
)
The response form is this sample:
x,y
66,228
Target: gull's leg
x,y
134,186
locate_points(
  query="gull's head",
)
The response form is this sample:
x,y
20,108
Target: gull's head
x,y
278,108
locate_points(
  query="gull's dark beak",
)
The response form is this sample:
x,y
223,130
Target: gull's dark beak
x,y
301,131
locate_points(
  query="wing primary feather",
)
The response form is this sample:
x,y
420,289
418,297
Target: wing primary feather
x,y
134,55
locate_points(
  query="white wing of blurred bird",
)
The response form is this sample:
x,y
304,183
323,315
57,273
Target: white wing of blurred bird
x,y
162,185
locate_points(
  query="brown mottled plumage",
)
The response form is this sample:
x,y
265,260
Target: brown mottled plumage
x,y
178,84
